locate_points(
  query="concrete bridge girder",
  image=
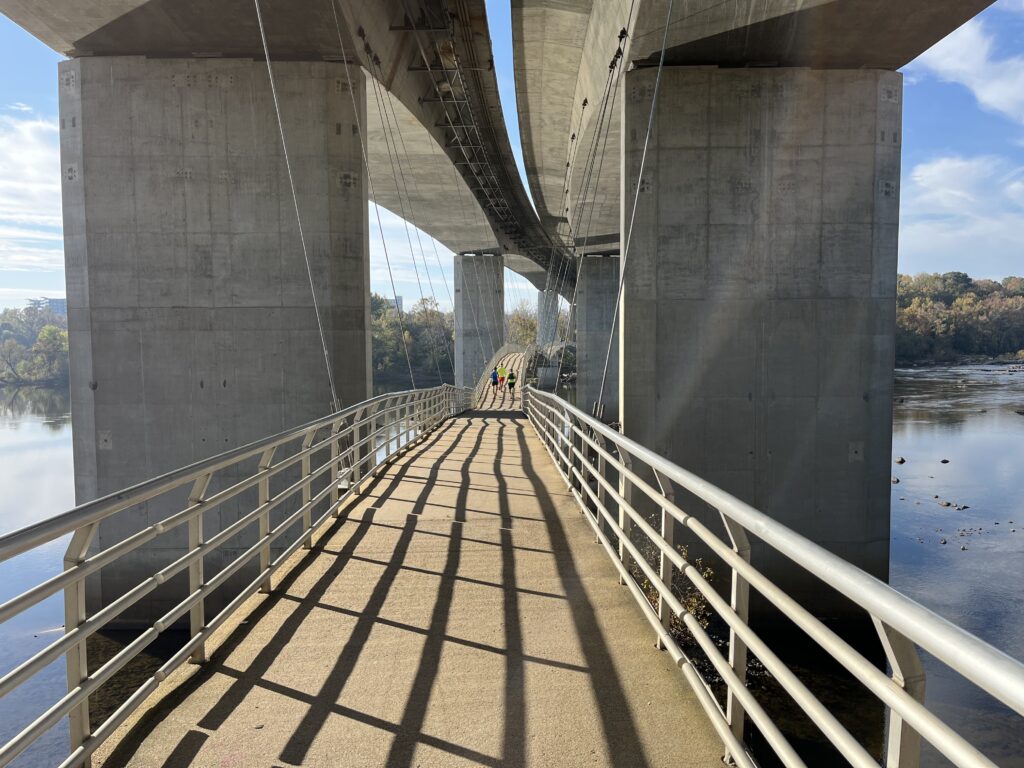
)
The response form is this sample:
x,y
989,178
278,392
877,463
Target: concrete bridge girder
x,y
442,204
376,35
582,36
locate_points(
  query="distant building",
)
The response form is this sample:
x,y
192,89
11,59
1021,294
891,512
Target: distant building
x,y
57,306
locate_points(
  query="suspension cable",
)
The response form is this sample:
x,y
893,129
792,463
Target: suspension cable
x,y
590,219
369,181
468,294
636,198
388,97
389,140
298,218
452,123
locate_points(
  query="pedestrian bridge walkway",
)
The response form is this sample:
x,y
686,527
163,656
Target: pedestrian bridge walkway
x,y
444,577
458,612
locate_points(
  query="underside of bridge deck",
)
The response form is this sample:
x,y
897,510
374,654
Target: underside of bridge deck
x,y
459,613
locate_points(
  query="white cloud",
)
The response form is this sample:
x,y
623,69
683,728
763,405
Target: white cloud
x,y
30,205
963,213
968,56
19,107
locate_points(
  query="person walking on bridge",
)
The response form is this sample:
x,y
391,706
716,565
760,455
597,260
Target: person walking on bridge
x,y
512,384
502,373
494,380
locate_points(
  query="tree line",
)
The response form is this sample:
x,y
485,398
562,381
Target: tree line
x,y
947,317
429,334
940,318
33,346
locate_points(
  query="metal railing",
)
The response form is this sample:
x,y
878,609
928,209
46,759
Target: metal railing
x,y
587,452
354,443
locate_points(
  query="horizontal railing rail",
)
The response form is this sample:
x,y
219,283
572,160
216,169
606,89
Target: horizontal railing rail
x,y
352,443
612,478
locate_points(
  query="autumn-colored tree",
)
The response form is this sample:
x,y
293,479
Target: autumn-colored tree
x,y
943,317
522,324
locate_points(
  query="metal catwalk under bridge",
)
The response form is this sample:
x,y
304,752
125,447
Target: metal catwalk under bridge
x,y
457,613
446,577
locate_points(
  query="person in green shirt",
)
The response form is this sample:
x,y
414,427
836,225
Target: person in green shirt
x,y
512,383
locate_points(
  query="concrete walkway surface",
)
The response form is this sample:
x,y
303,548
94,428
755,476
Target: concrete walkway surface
x,y
458,613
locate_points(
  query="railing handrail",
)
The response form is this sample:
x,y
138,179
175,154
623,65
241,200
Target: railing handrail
x,y
31,536
977,661
359,440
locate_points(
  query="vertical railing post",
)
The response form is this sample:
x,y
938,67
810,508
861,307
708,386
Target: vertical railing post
x,y
403,424
74,614
576,454
197,613
602,494
665,567
740,603
335,474
904,747
356,433
398,420
266,460
568,440
625,522
307,492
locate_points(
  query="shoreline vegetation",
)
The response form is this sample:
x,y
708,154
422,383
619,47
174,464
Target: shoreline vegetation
x,y
952,318
941,319
429,334
33,347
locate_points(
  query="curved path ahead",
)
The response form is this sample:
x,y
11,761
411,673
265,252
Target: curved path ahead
x,y
459,613
500,399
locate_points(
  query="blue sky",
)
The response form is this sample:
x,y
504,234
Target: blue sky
x,y
963,160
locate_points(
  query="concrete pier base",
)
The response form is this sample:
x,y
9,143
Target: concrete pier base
x,y
758,331
192,326
597,286
479,314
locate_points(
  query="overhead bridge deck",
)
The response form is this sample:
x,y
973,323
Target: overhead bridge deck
x,y
459,612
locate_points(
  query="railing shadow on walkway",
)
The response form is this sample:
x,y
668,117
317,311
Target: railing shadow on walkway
x,y
622,741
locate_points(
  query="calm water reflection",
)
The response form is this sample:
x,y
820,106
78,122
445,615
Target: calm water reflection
x,y
976,579
964,415
37,481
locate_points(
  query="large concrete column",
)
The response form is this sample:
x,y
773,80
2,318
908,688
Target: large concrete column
x,y
547,317
759,309
191,321
479,314
596,289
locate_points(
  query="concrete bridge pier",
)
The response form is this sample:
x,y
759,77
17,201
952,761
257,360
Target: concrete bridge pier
x,y
597,286
758,327
192,327
479,313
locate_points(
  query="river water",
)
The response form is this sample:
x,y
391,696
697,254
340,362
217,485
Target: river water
x,y
965,415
